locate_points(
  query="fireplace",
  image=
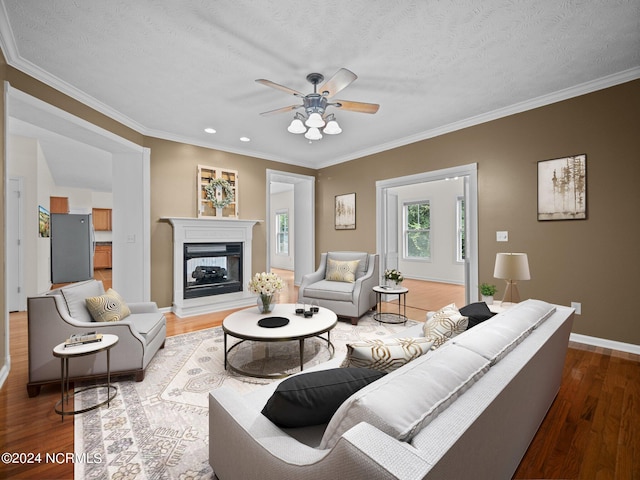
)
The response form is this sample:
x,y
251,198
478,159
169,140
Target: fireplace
x,y
212,269
221,248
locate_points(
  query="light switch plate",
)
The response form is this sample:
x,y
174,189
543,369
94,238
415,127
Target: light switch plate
x,y
502,236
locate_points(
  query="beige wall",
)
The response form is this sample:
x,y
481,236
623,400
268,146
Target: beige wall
x,y
594,261
173,194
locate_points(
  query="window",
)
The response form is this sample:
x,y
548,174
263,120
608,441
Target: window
x,y
417,234
460,225
282,232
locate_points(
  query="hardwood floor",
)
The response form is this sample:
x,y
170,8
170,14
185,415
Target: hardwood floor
x,y
592,430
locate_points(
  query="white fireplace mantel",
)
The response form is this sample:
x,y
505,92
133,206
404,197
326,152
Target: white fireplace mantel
x,y
202,230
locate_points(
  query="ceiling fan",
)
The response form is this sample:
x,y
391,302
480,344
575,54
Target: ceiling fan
x,y
315,104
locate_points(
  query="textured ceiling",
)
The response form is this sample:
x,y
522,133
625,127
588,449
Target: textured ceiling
x,y
171,68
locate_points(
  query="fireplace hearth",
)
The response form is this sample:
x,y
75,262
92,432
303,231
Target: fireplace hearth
x,y
212,269
214,246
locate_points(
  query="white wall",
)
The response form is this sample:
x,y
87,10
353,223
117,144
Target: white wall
x,y
283,201
442,195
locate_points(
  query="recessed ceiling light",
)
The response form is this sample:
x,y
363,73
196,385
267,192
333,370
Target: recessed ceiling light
x,y
210,130
245,139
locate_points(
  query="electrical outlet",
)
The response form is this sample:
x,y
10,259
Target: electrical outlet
x,y
502,236
577,306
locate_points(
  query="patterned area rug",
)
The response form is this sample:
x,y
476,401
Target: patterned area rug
x,y
158,428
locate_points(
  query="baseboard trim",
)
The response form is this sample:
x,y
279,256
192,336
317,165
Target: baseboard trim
x,y
603,342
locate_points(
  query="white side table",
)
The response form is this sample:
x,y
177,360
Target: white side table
x,y
65,353
390,317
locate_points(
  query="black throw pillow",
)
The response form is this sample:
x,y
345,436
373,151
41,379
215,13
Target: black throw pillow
x,y
477,312
312,398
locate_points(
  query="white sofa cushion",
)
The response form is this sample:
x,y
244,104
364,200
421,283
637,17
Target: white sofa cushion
x,y
327,290
406,400
386,354
75,295
496,337
446,323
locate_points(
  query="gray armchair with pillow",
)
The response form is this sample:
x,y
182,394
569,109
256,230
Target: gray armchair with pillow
x,y
54,316
343,283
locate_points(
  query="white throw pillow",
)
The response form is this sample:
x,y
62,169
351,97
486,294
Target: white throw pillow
x,y
385,355
446,323
341,271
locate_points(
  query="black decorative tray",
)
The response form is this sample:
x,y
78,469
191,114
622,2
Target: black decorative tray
x,y
273,322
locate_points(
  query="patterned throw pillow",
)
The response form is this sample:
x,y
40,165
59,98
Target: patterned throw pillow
x,y
446,323
385,355
109,307
338,271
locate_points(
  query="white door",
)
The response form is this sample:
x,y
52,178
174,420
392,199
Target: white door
x,y
16,301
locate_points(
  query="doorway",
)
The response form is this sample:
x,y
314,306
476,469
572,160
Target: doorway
x,y
388,223
299,210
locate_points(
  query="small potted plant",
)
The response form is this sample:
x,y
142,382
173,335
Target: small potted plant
x,y
487,290
393,277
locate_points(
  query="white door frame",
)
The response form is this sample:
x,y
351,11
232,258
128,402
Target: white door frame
x,y
16,296
304,220
471,211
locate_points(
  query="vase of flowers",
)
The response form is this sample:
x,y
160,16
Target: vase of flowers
x,y
393,277
266,286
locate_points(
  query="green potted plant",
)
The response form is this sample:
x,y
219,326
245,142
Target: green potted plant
x,y
487,291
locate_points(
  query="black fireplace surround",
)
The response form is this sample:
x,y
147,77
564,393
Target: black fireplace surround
x,y
212,269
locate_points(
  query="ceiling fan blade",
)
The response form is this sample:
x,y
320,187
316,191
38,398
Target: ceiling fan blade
x,y
356,106
340,80
281,110
277,86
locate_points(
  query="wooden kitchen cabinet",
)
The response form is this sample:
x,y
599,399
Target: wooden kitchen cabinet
x,y
102,257
59,204
102,219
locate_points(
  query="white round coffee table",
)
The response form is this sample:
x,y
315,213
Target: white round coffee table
x,y
243,324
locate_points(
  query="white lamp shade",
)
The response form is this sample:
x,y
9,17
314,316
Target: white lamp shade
x,y
296,126
313,134
315,120
332,128
512,266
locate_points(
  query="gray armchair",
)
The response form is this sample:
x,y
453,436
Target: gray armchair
x,y
57,314
350,299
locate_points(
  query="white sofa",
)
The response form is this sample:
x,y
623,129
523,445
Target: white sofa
x,y
346,299
510,369
56,314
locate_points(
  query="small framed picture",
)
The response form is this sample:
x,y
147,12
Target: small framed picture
x,y
44,222
345,213
562,188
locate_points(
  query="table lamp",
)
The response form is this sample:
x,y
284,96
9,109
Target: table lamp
x,y
512,267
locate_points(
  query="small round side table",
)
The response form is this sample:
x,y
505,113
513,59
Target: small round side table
x,y
391,317
65,353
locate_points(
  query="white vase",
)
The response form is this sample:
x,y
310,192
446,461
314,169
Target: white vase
x,y
488,299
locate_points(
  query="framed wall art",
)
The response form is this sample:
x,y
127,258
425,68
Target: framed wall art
x,y
562,188
44,222
345,213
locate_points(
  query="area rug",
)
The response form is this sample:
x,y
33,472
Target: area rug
x,y
158,428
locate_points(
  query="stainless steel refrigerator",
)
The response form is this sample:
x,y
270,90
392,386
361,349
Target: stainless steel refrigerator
x,y
72,247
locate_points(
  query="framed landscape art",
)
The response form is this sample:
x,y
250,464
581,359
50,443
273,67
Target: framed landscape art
x,y
345,213
562,188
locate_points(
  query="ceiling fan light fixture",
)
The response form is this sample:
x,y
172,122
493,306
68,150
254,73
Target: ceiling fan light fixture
x,y
315,120
332,127
296,126
313,134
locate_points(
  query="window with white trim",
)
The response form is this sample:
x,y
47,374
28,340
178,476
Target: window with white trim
x,y
282,232
417,230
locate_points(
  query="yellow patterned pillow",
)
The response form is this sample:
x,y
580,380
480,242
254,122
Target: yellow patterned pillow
x,y
341,271
446,323
385,355
109,307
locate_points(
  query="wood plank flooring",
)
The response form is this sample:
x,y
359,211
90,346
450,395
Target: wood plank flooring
x,y
592,430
